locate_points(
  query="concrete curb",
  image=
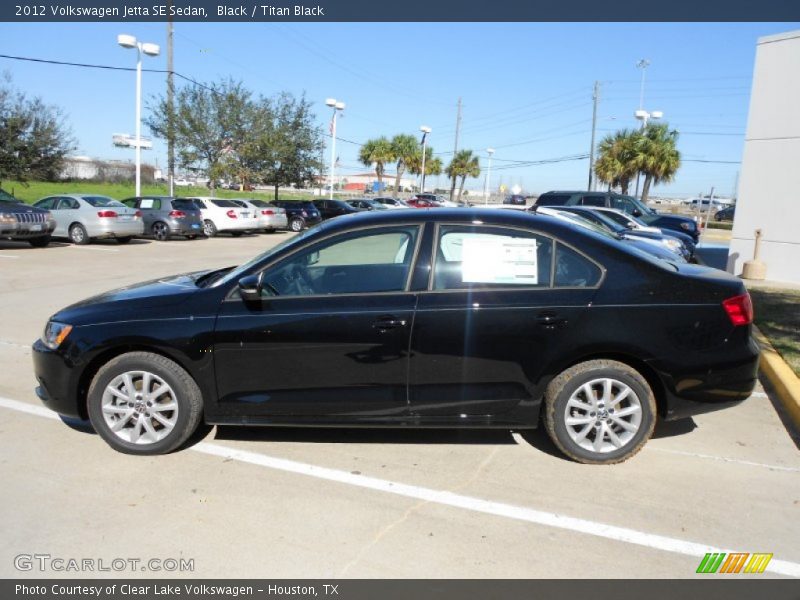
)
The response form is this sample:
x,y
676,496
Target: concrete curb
x,y
781,376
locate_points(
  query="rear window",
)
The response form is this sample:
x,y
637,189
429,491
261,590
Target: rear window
x,y
184,205
98,201
225,204
553,199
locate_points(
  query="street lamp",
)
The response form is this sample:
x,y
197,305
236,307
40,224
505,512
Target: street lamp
x,y
129,42
425,131
489,151
336,106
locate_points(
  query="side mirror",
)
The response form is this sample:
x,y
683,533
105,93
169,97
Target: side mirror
x,y
250,287
312,259
636,212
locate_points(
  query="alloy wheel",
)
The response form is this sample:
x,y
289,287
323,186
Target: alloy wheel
x,y
603,415
139,407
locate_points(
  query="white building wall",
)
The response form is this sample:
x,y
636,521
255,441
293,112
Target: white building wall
x,y
769,184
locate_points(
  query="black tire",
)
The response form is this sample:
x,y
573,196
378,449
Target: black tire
x,y
125,239
187,395
39,242
209,228
296,224
236,233
78,235
569,382
160,231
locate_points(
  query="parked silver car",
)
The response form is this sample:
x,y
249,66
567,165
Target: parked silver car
x,y
84,217
165,216
270,218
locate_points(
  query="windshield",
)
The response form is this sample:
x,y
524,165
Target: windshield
x,y
241,269
100,201
6,197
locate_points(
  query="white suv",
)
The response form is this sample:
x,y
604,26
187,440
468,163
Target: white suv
x,y
221,215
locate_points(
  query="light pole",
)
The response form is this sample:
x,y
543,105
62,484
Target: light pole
x,y
489,151
425,131
336,106
642,114
130,42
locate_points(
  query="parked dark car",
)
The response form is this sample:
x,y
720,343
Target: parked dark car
x,y
725,214
447,318
626,204
334,208
165,216
300,213
20,221
515,199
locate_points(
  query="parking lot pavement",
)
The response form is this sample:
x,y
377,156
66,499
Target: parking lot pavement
x,y
358,503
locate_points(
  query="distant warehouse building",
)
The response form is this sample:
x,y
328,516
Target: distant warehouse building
x,y
769,185
86,168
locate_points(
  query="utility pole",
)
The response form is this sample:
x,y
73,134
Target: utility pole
x,y
455,147
595,98
170,105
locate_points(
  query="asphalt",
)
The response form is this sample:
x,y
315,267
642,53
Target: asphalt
x,y
324,503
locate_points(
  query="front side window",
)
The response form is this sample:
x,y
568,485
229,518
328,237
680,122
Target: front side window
x,y
489,257
47,203
371,261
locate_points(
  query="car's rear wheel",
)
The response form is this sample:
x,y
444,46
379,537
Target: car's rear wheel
x,y
144,403
39,242
160,231
78,235
296,224
600,412
209,228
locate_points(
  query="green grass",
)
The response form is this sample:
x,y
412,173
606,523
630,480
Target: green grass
x,y
720,225
36,190
777,314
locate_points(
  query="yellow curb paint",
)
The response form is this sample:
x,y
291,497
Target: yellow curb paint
x,y
781,376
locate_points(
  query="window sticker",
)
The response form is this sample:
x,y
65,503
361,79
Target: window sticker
x,y
499,260
146,203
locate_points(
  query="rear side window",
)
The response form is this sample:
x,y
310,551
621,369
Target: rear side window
x,y
184,205
68,203
553,199
593,201
572,269
225,204
491,257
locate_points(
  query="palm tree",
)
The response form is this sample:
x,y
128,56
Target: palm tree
x,y
464,164
377,151
658,157
404,148
616,164
433,165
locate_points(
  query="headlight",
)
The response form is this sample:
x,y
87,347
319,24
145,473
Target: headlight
x,y
55,333
688,226
7,218
673,244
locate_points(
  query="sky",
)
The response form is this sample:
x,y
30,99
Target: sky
x,y
526,88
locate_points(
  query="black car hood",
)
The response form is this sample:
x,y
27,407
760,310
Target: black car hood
x,y
131,302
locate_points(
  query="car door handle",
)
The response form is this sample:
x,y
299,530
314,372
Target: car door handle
x,y
550,319
386,323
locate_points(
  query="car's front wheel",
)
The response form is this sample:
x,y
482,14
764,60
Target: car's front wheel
x,y
78,235
600,412
144,403
297,224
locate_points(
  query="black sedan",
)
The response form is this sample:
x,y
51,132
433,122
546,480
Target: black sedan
x,y
334,208
448,318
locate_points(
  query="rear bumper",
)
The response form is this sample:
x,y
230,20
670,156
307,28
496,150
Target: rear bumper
x,y
711,388
273,222
118,229
182,227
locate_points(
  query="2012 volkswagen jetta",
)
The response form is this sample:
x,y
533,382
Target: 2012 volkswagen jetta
x,y
431,318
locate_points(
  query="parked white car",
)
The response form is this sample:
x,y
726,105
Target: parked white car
x,y
221,215
627,220
269,217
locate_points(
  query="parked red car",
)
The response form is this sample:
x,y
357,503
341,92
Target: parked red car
x,y
422,203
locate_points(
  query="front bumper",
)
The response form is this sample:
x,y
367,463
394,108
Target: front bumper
x,y
26,231
57,377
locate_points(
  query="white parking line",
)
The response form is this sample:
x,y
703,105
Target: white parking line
x,y
499,509
8,256
93,248
727,460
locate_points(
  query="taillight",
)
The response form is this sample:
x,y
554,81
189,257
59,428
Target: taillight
x,y
739,309
106,213
267,212
231,214
137,214
304,213
178,214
